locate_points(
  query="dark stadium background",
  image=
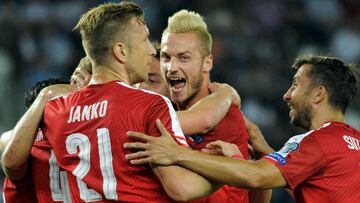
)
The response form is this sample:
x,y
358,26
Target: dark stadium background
x,y
255,42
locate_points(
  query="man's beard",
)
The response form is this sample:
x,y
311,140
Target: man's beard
x,y
303,117
194,88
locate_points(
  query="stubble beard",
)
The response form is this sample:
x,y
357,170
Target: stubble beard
x,y
303,117
194,89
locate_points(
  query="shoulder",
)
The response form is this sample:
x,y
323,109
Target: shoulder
x,y
149,95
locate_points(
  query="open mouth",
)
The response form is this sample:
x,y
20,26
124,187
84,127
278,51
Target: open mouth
x,y
177,83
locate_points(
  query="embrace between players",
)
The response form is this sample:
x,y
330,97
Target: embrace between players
x,y
85,145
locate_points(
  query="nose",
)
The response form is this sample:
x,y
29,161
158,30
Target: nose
x,y
152,50
287,95
172,66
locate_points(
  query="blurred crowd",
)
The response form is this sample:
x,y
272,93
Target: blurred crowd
x,y
255,42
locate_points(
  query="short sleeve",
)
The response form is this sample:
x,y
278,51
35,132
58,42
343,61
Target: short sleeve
x,y
300,162
162,109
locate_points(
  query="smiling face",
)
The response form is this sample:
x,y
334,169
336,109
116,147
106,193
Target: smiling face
x,y
298,98
183,65
141,52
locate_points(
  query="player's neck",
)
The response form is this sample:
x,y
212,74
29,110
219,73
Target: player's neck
x,y
104,74
324,116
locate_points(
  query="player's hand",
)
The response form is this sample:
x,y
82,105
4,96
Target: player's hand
x,y
221,148
82,74
157,150
58,90
225,88
257,143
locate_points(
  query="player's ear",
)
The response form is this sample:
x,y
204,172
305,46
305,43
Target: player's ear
x,y
208,63
120,52
319,94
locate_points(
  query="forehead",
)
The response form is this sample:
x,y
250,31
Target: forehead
x,y
138,26
173,43
303,72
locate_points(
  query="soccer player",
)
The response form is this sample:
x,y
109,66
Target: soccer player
x,y
88,128
42,182
321,165
23,189
186,61
200,117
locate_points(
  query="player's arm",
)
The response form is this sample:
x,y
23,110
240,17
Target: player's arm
x,y
15,157
209,111
163,150
4,139
182,184
222,148
258,145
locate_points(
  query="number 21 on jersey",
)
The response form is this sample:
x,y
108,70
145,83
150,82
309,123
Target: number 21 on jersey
x,y
75,142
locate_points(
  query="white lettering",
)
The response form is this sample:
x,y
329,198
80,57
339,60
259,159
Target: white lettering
x,y
103,107
94,110
88,112
71,113
352,142
77,114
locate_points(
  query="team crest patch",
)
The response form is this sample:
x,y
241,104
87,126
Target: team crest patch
x,y
197,138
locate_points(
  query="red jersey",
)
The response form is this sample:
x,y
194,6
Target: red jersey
x,y
87,131
44,184
322,165
50,182
230,129
19,192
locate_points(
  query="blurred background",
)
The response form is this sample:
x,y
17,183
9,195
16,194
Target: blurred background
x,y
255,42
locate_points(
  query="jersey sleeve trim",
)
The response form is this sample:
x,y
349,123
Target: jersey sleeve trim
x,y
175,124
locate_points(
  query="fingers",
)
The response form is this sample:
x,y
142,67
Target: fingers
x,y
139,136
141,161
214,86
85,74
217,151
161,128
136,145
215,144
81,76
136,155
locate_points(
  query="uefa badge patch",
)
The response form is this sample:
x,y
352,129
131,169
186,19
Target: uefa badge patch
x,y
277,157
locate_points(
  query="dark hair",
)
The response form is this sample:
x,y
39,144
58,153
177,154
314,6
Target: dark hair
x,y
156,44
339,78
32,92
102,26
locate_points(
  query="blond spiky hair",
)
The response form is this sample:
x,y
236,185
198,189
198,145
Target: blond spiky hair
x,y
190,21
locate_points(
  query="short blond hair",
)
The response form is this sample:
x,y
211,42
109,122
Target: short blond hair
x,y
102,26
189,21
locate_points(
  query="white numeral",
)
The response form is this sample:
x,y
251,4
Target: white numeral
x,y
106,166
82,141
58,178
